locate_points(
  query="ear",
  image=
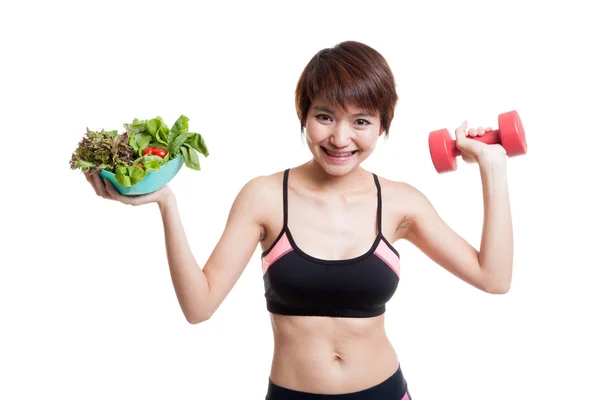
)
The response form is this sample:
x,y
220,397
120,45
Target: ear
x,y
381,131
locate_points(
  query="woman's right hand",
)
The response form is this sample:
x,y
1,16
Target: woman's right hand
x,y
105,189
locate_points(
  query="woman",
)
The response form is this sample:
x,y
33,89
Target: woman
x,y
326,229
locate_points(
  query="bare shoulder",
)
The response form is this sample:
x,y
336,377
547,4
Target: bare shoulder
x,y
260,197
398,187
263,187
403,202
401,194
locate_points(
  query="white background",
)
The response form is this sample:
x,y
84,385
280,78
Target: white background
x,y
87,308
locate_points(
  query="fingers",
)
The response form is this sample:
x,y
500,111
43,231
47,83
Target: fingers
x,y
88,177
98,185
101,187
480,131
93,179
105,189
110,189
468,147
461,130
114,194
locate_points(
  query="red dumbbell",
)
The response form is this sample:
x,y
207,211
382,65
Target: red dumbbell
x,y
510,134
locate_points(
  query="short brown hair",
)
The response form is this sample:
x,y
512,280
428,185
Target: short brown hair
x,y
349,73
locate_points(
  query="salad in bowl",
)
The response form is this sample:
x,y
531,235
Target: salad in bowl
x,y
142,159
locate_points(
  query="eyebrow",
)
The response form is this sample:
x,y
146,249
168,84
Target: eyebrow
x,y
362,113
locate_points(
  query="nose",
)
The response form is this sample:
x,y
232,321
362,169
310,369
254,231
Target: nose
x,y
341,136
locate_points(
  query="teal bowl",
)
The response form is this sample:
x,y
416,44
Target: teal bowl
x,y
153,180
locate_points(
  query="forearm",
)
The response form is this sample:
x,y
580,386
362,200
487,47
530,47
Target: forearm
x,y
189,281
496,251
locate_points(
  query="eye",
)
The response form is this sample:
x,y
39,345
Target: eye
x,y
323,117
363,122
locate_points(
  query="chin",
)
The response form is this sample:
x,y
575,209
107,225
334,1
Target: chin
x,y
338,169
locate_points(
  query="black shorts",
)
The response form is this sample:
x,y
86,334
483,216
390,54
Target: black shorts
x,y
393,388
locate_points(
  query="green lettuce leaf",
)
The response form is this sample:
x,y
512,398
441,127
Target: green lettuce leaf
x,y
151,165
153,125
195,141
129,176
180,127
190,157
175,147
139,141
162,135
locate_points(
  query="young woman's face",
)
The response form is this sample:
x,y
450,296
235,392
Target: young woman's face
x,y
340,140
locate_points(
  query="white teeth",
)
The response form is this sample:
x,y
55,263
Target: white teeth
x,y
342,155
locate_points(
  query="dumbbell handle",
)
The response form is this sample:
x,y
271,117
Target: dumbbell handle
x,y
490,137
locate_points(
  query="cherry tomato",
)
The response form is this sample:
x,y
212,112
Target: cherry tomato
x,y
148,150
140,165
159,152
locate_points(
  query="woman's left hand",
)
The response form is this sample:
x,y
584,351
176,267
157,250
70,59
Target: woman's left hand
x,y
474,150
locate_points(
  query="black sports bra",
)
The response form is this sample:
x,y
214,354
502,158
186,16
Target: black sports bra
x,y
299,284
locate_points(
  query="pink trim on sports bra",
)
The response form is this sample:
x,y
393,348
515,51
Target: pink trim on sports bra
x,y
386,254
281,248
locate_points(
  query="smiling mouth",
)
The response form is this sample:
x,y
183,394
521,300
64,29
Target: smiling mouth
x,y
339,155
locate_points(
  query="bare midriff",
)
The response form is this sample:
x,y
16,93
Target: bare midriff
x,y
325,355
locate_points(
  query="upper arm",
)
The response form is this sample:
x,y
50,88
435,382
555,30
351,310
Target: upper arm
x,y
237,244
432,235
